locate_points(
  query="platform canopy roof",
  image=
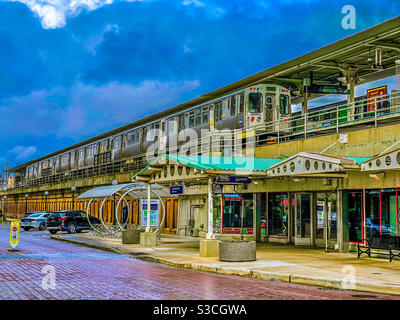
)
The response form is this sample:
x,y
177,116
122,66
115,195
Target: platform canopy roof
x,y
386,161
314,164
356,52
137,190
206,165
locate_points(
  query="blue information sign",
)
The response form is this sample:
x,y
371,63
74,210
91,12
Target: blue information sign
x,y
176,190
232,179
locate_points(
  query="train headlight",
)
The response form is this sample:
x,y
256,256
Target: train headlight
x,y
258,119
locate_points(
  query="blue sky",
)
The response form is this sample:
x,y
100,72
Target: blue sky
x,y
73,69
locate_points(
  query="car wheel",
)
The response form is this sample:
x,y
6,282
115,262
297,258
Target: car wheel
x,y
42,226
27,228
71,228
53,231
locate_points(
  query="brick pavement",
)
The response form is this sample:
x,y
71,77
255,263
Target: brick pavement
x,y
86,273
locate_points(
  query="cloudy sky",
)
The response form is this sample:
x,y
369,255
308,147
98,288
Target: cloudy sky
x,y
73,69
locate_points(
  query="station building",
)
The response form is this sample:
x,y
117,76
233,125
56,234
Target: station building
x,y
330,200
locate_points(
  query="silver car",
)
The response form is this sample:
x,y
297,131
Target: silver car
x,y
35,221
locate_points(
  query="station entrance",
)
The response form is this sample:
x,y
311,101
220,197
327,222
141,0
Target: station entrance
x,y
302,218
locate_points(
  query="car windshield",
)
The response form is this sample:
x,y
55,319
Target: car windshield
x,y
374,220
35,215
255,102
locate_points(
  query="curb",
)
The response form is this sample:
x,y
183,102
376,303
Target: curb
x,y
333,283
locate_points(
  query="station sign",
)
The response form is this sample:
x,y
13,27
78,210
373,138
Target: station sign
x,y
176,190
375,92
14,234
232,179
328,89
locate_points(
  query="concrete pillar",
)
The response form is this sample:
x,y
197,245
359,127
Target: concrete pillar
x,y
342,222
326,225
304,107
148,207
210,233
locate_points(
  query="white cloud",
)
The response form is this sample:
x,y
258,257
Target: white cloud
x,y
54,13
22,153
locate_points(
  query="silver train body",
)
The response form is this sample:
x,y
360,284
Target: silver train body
x,y
247,108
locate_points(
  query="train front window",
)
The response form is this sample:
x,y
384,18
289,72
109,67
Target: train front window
x,y
255,102
284,103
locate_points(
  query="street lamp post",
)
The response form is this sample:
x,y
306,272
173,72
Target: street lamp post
x,y
26,203
114,183
73,189
5,199
45,200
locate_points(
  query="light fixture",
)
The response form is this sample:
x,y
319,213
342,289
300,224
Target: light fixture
x,y
26,195
114,182
46,193
73,189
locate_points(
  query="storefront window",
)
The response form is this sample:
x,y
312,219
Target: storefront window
x,y
355,213
328,203
382,212
217,213
233,204
278,212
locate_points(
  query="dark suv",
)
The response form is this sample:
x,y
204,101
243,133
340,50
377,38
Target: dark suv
x,y
69,220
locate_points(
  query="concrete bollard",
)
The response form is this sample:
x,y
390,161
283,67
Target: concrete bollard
x,y
130,236
237,251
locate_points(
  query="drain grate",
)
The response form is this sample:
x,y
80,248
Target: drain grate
x,y
365,296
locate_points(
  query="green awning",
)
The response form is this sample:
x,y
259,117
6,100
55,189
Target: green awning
x,y
218,163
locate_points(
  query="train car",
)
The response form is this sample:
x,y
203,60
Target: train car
x,y
263,107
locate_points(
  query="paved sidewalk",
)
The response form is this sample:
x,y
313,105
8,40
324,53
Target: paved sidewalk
x,y
309,266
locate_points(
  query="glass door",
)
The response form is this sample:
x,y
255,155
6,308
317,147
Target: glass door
x,y
303,219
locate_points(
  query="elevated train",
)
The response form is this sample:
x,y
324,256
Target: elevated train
x,y
247,108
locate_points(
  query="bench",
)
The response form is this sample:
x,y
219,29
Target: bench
x,y
380,242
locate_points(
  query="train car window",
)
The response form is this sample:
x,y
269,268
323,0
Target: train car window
x,y
198,117
241,103
117,142
218,111
255,102
191,119
268,102
233,106
284,103
205,115
129,138
64,158
181,122
171,125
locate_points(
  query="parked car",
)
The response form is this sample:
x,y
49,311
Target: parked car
x,y
374,229
30,213
69,220
35,221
